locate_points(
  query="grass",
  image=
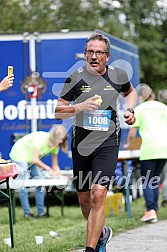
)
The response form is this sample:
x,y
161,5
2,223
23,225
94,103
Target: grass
x,y
70,228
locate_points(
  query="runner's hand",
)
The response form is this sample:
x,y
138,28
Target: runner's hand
x,y
89,105
129,118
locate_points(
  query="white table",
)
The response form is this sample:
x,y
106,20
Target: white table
x,y
128,154
60,182
54,187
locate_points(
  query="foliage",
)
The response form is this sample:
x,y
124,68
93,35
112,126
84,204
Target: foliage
x,y
141,22
147,21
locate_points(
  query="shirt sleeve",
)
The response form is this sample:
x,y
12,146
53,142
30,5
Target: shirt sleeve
x,y
68,91
123,81
125,87
55,151
119,79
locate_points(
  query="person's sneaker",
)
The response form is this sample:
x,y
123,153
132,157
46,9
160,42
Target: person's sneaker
x,y
42,215
28,215
102,242
150,216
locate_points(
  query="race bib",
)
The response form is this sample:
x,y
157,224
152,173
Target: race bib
x,y
97,120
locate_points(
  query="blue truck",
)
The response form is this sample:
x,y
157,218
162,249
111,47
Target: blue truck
x,y
41,63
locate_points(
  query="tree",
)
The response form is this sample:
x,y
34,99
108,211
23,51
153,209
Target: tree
x,y
18,16
145,21
141,22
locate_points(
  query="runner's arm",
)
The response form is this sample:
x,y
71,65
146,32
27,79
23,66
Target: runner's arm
x,y
131,100
65,110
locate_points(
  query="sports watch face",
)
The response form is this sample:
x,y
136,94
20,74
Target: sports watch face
x,y
130,110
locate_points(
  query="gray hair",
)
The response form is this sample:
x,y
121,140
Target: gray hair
x,y
100,37
145,92
162,96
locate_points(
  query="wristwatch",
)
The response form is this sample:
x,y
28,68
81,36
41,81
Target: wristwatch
x,y
130,110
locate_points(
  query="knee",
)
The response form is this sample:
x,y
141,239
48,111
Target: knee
x,y
98,194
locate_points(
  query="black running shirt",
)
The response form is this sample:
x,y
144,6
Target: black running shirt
x,y
82,85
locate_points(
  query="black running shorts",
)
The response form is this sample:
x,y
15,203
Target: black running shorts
x,y
96,168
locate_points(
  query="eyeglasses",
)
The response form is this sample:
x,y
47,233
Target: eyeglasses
x,y
97,53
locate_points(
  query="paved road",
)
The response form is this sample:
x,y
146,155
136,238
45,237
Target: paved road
x,y
148,238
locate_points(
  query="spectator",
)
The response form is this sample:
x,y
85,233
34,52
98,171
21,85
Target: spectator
x,y
6,83
162,97
27,153
164,188
96,132
151,120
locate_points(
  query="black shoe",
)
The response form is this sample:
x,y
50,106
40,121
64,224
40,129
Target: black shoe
x,y
42,215
28,215
164,203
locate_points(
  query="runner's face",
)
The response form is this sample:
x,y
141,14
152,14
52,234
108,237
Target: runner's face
x,y
97,62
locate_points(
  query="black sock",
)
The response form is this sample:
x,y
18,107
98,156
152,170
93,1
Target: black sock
x,y
101,236
102,233
89,249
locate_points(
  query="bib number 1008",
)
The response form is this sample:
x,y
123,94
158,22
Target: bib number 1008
x,y
97,120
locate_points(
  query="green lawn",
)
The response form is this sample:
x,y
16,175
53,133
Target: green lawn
x,y
70,228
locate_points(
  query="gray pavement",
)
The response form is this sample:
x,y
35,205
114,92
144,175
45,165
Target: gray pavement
x,y
149,238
